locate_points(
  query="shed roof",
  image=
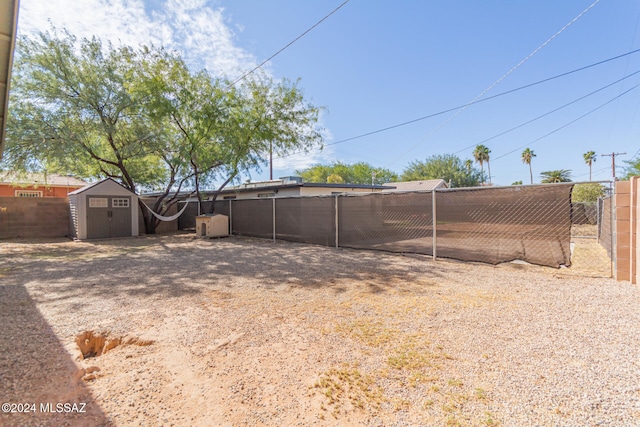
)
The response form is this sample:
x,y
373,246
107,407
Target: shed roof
x,y
112,185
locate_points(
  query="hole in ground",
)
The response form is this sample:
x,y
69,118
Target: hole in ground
x,y
92,344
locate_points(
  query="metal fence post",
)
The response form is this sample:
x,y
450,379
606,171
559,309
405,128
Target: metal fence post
x,y
336,220
598,222
230,217
273,214
433,216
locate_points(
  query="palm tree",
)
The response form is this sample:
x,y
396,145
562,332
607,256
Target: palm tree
x,y
589,158
561,175
527,155
468,164
481,155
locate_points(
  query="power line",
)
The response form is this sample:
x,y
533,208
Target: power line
x,y
288,44
569,123
595,172
549,112
494,84
408,122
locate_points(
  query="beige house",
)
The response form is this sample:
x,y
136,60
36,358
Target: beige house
x,y
425,185
293,186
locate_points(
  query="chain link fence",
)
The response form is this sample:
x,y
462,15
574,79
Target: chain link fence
x,y
538,224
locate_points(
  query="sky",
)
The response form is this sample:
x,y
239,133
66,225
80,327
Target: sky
x,y
376,64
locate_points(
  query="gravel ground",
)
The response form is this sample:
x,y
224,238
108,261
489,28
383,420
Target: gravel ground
x,y
183,331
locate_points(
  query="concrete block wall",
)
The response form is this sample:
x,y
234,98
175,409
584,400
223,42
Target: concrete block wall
x,y
34,217
627,211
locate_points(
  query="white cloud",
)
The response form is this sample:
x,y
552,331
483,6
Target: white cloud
x,y
191,27
194,28
301,161
288,165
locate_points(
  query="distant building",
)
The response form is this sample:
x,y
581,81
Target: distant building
x,y
14,184
425,185
292,186
288,186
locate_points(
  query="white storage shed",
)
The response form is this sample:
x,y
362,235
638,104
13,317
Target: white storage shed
x,y
102,210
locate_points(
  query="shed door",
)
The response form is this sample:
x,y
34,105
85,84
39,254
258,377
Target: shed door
x,y
120,217
108,216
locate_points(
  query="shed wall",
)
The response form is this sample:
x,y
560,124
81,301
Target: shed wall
x,y
105,188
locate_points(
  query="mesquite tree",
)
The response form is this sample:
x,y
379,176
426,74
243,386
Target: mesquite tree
x,y
143,118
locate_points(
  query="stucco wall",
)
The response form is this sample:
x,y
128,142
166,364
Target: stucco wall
x,y
320,191
33,217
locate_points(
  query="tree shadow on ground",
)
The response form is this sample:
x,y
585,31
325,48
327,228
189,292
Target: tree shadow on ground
x,y
182,265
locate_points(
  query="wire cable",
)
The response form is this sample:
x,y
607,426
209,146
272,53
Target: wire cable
x,y
287,45
549,112
408,122
494,84
567,124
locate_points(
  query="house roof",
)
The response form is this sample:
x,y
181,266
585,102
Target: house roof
x,y
279,184
31,178
8,31
275,185
425,185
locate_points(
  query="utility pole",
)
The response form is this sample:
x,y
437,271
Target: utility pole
x,y
613,162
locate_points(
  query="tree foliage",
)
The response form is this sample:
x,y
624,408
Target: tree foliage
x,y
358,173
632,168
527,156
447,166
587,192
560,175
143,118
589,158
481,154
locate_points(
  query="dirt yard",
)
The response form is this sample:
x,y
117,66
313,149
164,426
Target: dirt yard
x,y
178,331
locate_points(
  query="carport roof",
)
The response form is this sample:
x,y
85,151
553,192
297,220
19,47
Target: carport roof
x,y
8,30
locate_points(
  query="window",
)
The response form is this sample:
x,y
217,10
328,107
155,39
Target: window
x,y
266,194
28,193
98,202
119,203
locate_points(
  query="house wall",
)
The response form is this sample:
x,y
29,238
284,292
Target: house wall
x,y
34,217
297,191
320,191
252,194
9,190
